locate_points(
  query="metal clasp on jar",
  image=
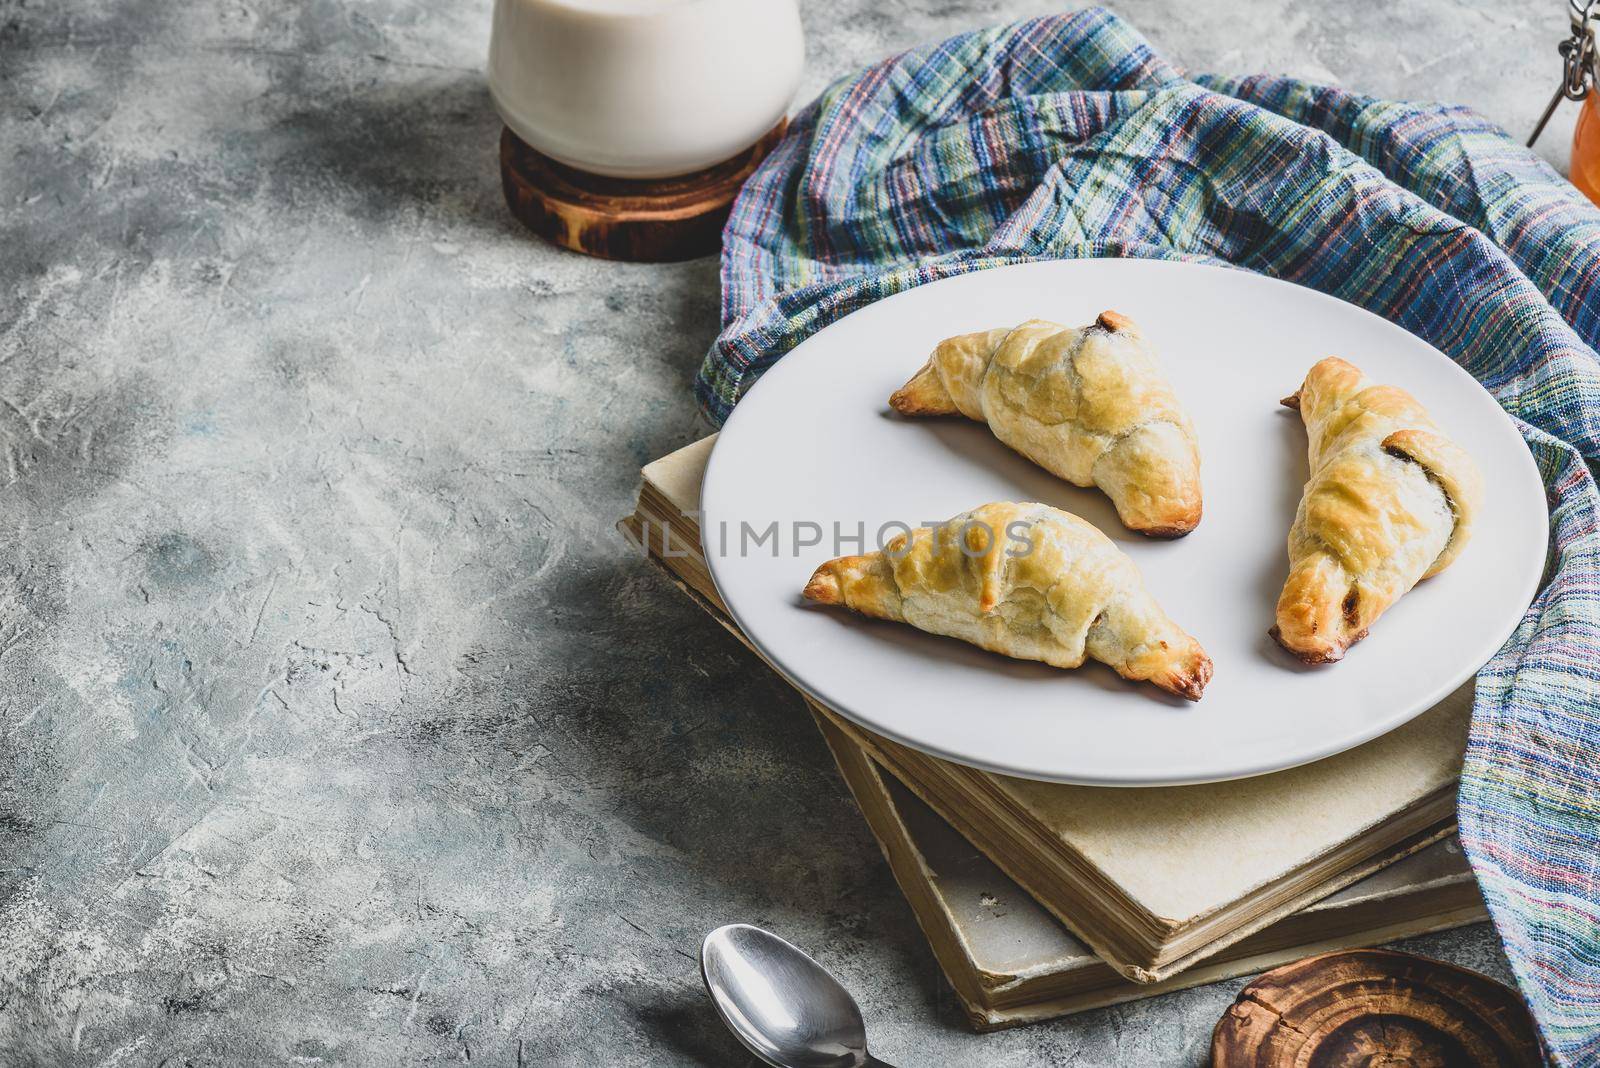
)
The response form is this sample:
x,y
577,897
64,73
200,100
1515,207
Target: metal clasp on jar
x,y
1577,61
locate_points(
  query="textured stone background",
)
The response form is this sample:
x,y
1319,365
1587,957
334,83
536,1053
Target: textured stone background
x,y
337,725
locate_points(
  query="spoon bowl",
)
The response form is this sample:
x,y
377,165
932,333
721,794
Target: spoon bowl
x,y
782,1005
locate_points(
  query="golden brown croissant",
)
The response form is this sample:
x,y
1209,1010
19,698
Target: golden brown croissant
x,y
1390,502
1027,580
1088,405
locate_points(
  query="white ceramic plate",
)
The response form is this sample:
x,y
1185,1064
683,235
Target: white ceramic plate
x,y
814,442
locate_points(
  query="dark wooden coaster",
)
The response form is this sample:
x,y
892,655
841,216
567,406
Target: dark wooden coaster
x,y
655,220
1375,1009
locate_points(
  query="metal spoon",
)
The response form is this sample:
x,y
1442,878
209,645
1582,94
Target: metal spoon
x,y
780,1003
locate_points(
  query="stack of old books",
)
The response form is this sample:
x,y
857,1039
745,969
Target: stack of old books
x,y
1042,899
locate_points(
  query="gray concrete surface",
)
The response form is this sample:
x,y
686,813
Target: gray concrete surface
x,y
336,724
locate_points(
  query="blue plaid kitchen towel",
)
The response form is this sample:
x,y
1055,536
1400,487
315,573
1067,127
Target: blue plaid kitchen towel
x,y
1068,136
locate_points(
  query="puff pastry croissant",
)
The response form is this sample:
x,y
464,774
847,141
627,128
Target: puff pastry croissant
x,y
1088,405
1390,502
1026,580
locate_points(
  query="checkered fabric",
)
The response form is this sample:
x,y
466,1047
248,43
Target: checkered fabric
x,y
1068,136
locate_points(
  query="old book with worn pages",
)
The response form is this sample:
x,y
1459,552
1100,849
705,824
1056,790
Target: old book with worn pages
x,y
1152,881
1010,962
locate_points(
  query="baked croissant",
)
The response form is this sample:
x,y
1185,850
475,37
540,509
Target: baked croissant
x,y
1088,405
1390,502
1027,580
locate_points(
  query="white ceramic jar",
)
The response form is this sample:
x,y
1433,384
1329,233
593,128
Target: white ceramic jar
x,y
644,88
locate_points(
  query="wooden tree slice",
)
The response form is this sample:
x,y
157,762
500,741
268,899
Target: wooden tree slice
x,y
1371,1008
657,220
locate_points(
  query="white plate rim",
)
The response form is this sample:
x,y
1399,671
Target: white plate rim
x,y
1532,577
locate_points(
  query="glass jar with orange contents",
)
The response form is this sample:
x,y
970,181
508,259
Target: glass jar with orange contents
x,y
1578,83
1586,148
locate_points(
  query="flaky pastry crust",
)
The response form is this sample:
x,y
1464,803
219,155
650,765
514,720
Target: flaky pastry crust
x,y
1027,580
1390,502
1089,405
